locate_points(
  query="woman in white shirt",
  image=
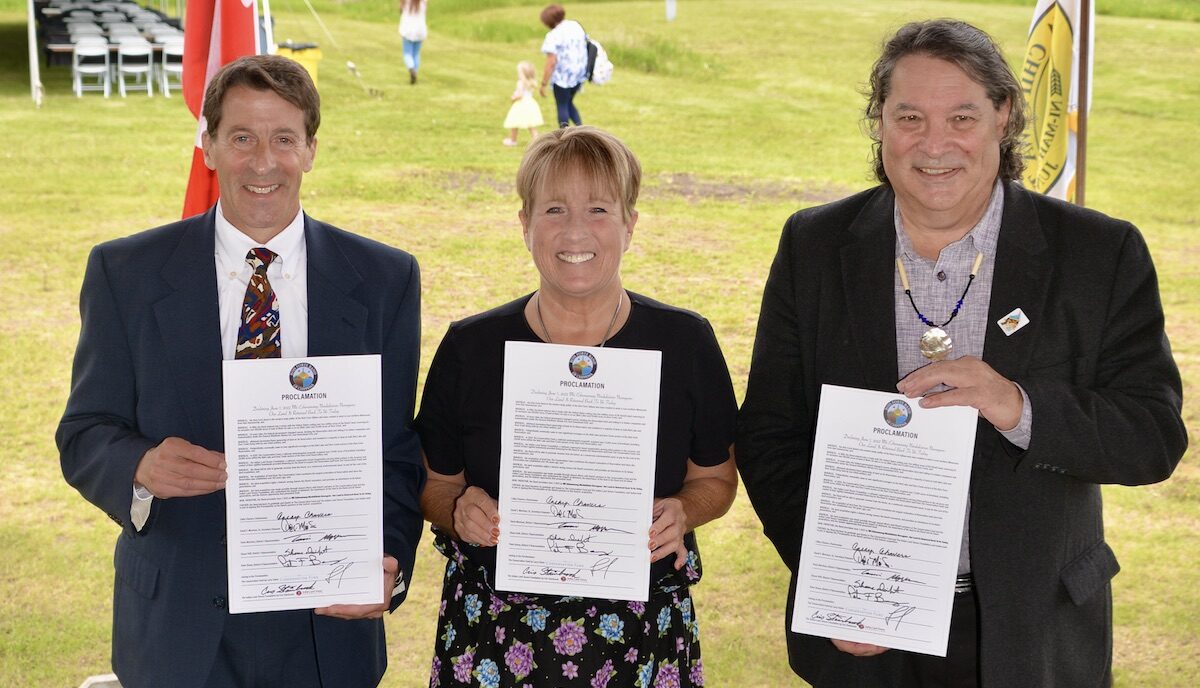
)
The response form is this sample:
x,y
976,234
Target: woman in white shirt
x,y
413,32
566,62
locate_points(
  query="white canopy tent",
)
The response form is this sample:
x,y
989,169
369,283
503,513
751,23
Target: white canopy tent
x,y
37,91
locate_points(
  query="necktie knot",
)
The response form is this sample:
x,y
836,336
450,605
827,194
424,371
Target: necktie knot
x,y
260,258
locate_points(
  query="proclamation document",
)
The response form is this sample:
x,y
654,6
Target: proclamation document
x,y
884,520
578,444
304,498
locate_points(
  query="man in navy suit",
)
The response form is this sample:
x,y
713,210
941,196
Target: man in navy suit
x,y
142,434
1058,343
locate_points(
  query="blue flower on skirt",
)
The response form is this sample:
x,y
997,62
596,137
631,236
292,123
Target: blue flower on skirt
x,y
488,674
685,610
536,617
473,608
664,620
612,628
645,674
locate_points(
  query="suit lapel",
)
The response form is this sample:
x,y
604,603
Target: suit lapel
x,y
868,274
1021,280
337,321
189,321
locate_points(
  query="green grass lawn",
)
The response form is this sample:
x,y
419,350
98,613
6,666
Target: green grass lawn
x,y
741,112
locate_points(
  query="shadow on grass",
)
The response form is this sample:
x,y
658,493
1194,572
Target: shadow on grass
x,y
14,58
14,64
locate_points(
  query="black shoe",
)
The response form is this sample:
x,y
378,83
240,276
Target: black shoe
x,y
412,76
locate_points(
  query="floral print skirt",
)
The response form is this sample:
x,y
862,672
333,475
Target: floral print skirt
x,y
491,639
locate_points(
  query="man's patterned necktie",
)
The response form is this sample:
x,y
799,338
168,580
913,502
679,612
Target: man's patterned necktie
x,y
258,336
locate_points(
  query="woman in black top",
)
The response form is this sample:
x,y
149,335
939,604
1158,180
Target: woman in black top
x,y
578,189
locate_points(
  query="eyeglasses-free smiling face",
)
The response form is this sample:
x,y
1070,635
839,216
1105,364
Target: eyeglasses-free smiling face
x,y
260,155
940,136
576,231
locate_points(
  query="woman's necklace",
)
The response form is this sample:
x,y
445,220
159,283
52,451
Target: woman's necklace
x,y
537,305
936,345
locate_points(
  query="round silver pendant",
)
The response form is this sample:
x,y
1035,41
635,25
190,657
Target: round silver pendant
x,y
936,344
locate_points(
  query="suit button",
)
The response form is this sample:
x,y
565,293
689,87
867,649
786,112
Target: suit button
x,y
219,602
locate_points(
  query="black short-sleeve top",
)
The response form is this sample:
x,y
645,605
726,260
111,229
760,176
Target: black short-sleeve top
x,y
460,417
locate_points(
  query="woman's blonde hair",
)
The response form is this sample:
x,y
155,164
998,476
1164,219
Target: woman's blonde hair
x,y
597,154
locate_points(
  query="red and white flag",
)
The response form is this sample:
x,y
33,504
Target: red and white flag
x,y
217,32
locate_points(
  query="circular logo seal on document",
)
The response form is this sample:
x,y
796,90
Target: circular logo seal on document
x,y
303,376
897,413
582,365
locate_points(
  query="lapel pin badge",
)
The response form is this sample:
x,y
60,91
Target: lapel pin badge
x,y
1013,322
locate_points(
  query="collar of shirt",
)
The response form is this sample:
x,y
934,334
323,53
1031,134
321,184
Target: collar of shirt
x,y
232,246
288,275
982,237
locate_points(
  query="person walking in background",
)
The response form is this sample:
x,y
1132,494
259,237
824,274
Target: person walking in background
x,y
525,112
412,31
566,62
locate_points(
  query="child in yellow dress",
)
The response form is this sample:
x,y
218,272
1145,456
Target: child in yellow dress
x,y
525,112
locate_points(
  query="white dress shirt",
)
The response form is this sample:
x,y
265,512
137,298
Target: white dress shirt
x,y
288,275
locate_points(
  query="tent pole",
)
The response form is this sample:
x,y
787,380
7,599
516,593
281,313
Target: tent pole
x,y
269,48
35,74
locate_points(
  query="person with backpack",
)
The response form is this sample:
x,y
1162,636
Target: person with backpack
x,y
566,62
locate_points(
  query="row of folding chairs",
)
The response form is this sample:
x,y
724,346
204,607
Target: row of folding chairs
x,y
92,67
158,33
67,6
123,13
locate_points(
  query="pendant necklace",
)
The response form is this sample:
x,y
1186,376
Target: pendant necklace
x,y
537,305
936,345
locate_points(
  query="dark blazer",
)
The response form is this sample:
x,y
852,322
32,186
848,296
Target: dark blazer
x,y
1106,400
148,367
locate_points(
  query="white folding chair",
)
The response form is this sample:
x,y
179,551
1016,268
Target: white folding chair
x,y
89,60
166,35
119,32
76,31
171,65
135,58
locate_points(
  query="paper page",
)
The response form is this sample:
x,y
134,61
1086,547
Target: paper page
x,y
883,525
304,498
578,446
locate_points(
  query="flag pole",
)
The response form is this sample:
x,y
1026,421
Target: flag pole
x,y
1084,99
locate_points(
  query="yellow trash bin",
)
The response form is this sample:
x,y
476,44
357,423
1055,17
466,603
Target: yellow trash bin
x,y
307,54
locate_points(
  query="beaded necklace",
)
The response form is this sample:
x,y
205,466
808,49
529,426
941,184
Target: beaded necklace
x,y
936,345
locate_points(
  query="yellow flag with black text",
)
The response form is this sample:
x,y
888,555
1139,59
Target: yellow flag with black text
x,y
1049,76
